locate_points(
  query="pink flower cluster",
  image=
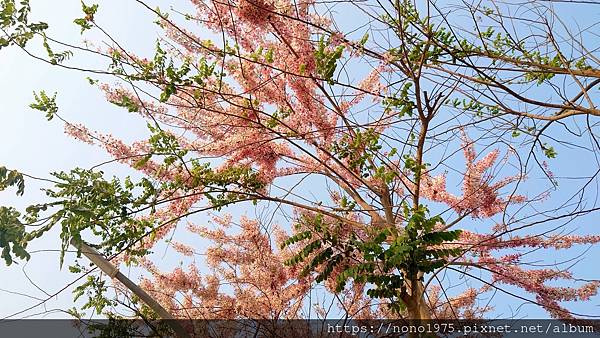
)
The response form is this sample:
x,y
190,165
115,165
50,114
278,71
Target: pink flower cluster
x,y
508,269
480,198
272,114
261,285
255,12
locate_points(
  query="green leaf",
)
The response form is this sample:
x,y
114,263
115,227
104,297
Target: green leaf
x,y
549,151
45,103
9,178
326,60
86,22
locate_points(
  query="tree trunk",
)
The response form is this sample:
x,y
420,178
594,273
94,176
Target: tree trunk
x,y
416,306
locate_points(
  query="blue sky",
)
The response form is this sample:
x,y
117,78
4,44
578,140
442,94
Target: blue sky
x,y
37,147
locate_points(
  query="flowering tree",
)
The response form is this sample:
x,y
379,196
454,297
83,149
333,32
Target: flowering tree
x,y
392,155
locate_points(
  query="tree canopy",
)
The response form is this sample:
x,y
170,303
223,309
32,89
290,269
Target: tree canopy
x,y
402,159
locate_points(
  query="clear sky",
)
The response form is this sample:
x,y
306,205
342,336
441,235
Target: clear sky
x,y
35,146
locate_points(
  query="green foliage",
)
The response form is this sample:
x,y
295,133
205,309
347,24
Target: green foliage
x,y
86,22
386,259
476,107
95,289
269,55
582,64
549,151
120,327
45,103
128,103
539,76
401,102
9,178
164,71
428,43
222,187
363,40
411,164
326,60
276,118
226,186
55,57
82,200
346,204
296,238
418,34
12,233
359,150
165,143
104,207
14,22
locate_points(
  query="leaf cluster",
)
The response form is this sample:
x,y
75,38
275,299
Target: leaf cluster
x,y
359,149
81,201
86,22
326,59
385,261
14,21
45,103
